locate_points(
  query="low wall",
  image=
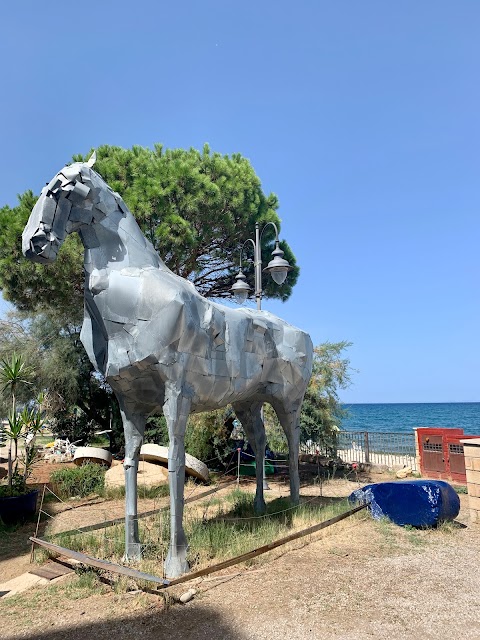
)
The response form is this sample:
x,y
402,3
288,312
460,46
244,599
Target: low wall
x,y
471,450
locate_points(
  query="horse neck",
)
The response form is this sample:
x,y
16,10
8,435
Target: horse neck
x,y
116,242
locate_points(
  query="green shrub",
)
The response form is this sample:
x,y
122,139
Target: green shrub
x,y
156,430
207,436
79,481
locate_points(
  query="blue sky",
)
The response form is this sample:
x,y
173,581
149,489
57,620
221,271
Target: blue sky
x,y
363,117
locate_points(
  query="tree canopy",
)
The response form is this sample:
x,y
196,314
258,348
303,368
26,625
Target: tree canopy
x,y
196,207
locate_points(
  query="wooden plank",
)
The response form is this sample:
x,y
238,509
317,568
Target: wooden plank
x,y
98,525
100,564
153,512
51,570
49,574
43,572
60,569
265,548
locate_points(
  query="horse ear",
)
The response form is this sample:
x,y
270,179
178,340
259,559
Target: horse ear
x,y
93,158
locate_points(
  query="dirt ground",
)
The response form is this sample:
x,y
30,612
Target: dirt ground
x,y
358,579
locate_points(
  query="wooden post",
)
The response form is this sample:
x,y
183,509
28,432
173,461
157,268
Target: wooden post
x,y
38,523
367,447
238,466
10,465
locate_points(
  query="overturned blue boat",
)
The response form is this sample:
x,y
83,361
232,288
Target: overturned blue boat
x,y
419,503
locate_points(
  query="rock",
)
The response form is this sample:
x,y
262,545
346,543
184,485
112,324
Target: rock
x,y
149,475
403,473
187,596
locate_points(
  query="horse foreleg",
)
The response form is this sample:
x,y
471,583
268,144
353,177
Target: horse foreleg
x,y
290,422
134,427
176,410
252,423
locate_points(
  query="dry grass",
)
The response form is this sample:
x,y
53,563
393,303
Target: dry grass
x,y
217,528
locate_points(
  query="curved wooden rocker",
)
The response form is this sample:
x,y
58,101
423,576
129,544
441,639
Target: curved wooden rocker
x,y
193,466
92,454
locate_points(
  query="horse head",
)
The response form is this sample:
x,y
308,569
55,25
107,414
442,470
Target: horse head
x,y
70,201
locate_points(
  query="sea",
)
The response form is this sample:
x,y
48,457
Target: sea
x,y
403,417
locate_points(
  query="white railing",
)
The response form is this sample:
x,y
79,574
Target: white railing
x,y
394,450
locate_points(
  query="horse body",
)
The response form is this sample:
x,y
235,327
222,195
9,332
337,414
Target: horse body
x,y
162,346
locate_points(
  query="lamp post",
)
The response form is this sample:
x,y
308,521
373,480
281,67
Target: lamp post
x,y
278,268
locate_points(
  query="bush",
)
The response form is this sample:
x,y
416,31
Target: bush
x,y
276,438
156,430
79,481
207,436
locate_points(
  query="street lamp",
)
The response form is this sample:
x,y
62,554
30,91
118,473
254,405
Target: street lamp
x,y
278,268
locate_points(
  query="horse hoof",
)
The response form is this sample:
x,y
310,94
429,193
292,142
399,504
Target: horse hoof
x,y
260,507
175,567
133,552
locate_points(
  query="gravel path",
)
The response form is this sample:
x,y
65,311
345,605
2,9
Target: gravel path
x,y
359,579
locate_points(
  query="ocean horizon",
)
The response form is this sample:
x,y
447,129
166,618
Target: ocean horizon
x,y
404,416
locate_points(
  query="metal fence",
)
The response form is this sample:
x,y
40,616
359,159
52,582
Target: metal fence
x,y
389,449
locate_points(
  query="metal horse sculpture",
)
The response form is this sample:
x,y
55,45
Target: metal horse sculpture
x,y
162,346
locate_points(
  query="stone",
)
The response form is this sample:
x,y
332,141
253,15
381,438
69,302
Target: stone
x,y
403,473
148,475
187,596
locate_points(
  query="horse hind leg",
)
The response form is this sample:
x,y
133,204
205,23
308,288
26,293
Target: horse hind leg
x,y
251,418
290,420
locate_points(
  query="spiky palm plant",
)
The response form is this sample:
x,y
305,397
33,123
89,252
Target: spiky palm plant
x,y
13,372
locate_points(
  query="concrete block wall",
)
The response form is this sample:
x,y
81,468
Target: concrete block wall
x,y
471,450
